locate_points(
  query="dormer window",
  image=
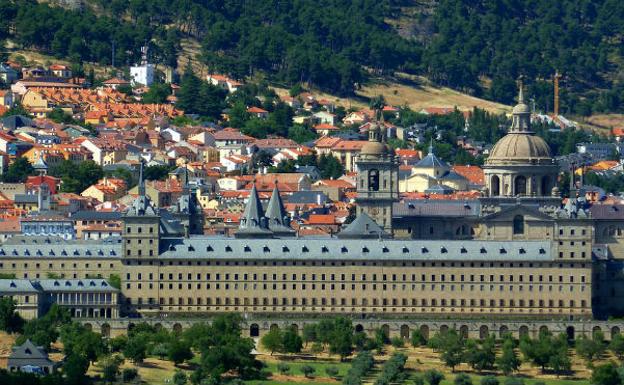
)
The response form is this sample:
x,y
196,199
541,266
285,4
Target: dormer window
x,y
285,249
522,250
343,249
91,283
443,250
463,250
56,283
191,248
209,248
14,252
424,250
172,248
305,249
88,252
483,250
76,252
385,250
266,249
228,249
80,283
26,252
503,251
39,252
324,249
365,249
542,251
247,249
405,250
67,283
51,252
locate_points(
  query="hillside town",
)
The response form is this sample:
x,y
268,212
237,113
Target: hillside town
x,y
54,119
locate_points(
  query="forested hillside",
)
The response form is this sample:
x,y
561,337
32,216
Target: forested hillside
x,y
477,46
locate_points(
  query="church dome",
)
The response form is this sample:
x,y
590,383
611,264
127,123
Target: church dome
x,y
374,148
520,147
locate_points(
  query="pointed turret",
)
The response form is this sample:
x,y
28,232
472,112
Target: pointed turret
x,y
279,222
142,204
521,121
253,223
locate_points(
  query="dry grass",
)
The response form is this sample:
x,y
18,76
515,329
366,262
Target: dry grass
x,y
606,120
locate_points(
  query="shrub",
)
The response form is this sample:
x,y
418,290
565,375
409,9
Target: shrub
x,y
331,371
308,371
462,379
283,368
418,339
129,374
433,377
418,380
179,378
489,380
397,342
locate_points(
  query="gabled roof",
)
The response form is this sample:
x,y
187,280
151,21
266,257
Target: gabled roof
x,y
363,227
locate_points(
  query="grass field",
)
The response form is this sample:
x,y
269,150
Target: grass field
x,y
319,366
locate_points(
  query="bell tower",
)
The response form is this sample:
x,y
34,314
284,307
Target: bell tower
x,y
378,177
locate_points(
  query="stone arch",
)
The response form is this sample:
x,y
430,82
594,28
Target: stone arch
x,y
595,330
88,326
520,185
494,186
254,330
444,329
463,331
105,330
295,328
177,328
274,327
405,332
543,329
523,331
424,332
385,329
484,331
158,326
570,333
503,331
615,331
359,328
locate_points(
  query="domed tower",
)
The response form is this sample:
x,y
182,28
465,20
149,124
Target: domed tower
x,y
520,164
377,178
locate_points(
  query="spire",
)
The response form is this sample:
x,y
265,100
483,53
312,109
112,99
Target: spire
x,y
141,181
431,147
253,222
521,120
279,222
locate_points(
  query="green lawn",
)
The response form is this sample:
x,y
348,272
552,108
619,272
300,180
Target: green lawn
x,y
271,382
295,367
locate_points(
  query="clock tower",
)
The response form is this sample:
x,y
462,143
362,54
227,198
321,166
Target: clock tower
x,y
378,178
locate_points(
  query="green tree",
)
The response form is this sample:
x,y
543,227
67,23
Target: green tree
x,y
309,333
341,342
481,356
110,368
606,374
508,362
157,94
272,341
10,320
179,351
332,371
75,368
590,349
79,340
301,134
129,374
617,346
179,378
18,171
330,167
291,341
434,377
17,109
451,346
417,339
489,380
136,348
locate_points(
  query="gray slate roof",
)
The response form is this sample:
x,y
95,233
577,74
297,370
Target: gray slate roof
x,y
85,215
17,286
363,226
204,247
74,285
253,222
29,354
435,207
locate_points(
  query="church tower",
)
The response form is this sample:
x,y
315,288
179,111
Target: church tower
x,y
141,226
378,178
